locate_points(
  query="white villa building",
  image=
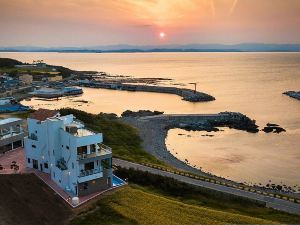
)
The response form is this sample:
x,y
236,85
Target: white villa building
x,y
74,156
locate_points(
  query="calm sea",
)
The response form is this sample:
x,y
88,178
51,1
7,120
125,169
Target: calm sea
x,y
250,83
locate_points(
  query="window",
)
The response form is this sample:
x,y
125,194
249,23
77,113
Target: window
x,y
46,165
33,146
36,131
28,160
89,166
93,148
67,147
62,146
106,163
72,165
85,186
81,150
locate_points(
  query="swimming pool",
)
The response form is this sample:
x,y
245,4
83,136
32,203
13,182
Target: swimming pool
x,y
117,181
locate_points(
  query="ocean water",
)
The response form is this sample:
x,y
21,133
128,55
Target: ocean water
x,y
250,83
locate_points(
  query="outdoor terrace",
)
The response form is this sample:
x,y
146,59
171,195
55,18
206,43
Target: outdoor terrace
x,y
102,150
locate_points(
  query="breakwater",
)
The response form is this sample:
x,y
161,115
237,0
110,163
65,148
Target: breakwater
x,y
154,129
293,94
186,94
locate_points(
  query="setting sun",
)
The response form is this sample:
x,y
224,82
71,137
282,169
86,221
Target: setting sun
x,y
161,34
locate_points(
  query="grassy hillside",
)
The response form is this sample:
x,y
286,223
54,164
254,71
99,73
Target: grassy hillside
x,y
25,199
189,194
134,206
122,138
6,62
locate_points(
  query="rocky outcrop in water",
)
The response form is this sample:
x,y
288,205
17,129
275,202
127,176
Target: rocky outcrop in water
x,y
274,128
191,96
293,94
129,113
226,119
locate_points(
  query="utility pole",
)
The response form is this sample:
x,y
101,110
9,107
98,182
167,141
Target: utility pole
x,y
195,86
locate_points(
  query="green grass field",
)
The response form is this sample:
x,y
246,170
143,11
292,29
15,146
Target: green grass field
x,y
27,70
132,205
192,195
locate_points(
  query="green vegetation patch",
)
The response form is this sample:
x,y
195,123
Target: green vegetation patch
x,y
7,62
131,205
189,194
121,137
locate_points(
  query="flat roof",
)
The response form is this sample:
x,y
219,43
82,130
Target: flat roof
x,y
83,132
9,120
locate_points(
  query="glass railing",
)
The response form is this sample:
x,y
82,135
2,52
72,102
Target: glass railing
x,y
10,134
102,150
85,173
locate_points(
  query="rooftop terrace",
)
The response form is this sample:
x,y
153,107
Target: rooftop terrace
x,y
9,120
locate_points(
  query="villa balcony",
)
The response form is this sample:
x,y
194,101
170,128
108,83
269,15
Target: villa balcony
x,y
6,135
6,138
87,175
103,150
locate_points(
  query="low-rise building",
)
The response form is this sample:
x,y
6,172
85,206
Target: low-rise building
x,y
55,78
26,79
74,156
11,134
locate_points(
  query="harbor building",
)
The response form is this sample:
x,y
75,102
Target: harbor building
x,y
55,78
73,155
11,134
56,92
26,79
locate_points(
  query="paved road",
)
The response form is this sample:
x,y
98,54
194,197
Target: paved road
x,y
271,202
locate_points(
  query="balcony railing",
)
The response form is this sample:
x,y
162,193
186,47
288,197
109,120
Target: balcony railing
x,y
10,134
103,150
85,173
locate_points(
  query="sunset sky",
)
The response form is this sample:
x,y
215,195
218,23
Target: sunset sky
x,y
140,22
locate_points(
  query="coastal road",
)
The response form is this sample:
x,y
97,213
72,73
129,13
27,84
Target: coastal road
x,y
275,203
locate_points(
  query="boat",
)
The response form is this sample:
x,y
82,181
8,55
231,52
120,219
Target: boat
x,y
9,104
56,92
72,91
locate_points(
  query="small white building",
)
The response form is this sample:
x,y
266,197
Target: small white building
x,y
11,134
74,156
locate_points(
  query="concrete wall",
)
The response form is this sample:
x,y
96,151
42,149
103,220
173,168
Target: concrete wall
x,y
94,185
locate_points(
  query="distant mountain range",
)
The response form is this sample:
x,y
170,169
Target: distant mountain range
x,y
244,47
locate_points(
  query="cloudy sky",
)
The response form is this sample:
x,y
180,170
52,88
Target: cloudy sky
x,y
103,22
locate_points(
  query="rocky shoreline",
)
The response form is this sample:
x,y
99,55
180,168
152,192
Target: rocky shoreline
x,y
293,94
153,129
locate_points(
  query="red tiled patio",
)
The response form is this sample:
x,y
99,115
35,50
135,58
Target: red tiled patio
x,y
18,155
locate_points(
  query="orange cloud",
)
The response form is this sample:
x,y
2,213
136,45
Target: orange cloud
x,y
123,21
